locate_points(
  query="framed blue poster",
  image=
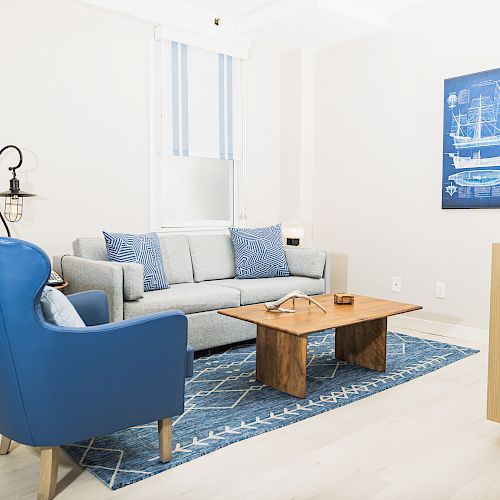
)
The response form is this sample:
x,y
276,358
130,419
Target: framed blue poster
x,y
471,141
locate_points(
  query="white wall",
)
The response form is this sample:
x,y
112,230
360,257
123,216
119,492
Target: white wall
x,y
262,146
378,160
74,95
290,134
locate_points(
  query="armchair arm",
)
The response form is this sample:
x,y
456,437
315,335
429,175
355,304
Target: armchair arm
x,y
102,379
92,306
85,274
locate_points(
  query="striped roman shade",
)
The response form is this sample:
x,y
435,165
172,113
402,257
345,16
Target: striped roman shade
x,y
202,102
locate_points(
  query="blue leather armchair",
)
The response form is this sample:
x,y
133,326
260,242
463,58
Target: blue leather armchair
x,y
60,385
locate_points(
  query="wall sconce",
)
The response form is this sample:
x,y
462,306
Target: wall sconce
x,y
292,231
14,197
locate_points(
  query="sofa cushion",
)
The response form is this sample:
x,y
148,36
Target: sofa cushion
x,y
212,257
176,258
90,248
186,297
305,261
258,252
141,249
267,289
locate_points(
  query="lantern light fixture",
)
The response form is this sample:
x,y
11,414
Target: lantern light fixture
x,y
14,196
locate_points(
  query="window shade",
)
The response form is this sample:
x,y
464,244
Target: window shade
x,y
202,102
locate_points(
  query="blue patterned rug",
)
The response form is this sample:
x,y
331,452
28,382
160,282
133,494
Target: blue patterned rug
x,y
224,403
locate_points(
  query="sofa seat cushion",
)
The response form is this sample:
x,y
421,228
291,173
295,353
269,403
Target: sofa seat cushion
x,y
186,297
267,289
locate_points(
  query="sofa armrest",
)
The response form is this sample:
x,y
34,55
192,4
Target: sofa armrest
x,y
85,274
133,281
308,262
327,273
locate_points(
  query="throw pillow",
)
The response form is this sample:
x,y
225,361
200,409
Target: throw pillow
x,y
58,310
142,249
259,252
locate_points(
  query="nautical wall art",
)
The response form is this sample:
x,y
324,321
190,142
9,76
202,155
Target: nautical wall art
x,y
471,141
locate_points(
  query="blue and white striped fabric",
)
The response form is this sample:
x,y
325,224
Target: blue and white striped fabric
x,y
259,252
141,249
203,100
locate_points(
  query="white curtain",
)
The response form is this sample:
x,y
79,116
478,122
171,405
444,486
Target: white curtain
x,y
202,102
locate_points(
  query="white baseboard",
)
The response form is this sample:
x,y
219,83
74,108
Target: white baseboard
x,y
437,328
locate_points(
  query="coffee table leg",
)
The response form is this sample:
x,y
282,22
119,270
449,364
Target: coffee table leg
x,y
363,344
282,360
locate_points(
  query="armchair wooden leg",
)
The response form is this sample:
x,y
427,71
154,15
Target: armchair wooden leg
x,y
165,439
4,445
48,473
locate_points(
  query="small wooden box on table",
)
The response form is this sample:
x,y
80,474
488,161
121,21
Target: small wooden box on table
x,y
281,351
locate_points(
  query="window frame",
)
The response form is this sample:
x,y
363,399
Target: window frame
x,y
158,153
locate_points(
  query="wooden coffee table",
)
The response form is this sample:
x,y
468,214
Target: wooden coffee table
x,y
360,338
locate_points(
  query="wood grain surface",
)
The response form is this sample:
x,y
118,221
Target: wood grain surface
x,y
308,319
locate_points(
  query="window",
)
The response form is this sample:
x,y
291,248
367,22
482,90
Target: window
x,y
197,168
197,192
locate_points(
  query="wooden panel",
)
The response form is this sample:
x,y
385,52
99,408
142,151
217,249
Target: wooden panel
x,y
363,344
493,405
308,319
4,445
48,473
165,439
281,361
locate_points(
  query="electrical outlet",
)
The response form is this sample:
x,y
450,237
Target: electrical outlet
x,y
440,290
396,284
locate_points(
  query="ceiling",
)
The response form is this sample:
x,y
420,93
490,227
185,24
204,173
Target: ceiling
x,y
236,8
286,23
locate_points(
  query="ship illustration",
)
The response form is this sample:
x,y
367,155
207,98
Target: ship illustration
x,y
474,161
476,178
478,126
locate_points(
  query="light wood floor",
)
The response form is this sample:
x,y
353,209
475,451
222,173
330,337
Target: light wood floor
x,y
426,439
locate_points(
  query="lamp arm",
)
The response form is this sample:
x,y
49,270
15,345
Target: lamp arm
x,y
5,225
20,157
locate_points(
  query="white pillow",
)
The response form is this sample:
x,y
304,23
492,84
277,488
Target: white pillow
x,y
58,310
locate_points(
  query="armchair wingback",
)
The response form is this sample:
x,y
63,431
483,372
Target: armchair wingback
x,y
59,385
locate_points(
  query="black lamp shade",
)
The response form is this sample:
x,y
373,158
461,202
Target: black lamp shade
x,y
14,196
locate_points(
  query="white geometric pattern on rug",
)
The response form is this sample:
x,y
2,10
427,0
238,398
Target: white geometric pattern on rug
x,y
225,404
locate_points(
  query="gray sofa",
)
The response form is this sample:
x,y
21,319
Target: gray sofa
x,y
200,269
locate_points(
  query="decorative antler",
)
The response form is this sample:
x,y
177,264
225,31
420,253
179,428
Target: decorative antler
x,y
296,294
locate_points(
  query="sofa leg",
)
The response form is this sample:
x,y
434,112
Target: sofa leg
x,y
165,439
48,473
4,445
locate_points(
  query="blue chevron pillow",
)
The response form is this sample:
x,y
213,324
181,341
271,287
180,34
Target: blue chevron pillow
x,y
142,249
259,253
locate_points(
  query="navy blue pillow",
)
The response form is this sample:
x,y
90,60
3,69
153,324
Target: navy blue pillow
x,y
142,249
259,252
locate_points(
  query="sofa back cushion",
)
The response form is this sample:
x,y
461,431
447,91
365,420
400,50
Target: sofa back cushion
x,y
90,248
174,248
176,258
212,256
306,262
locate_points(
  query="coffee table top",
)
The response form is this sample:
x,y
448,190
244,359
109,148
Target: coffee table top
x,y
309,318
